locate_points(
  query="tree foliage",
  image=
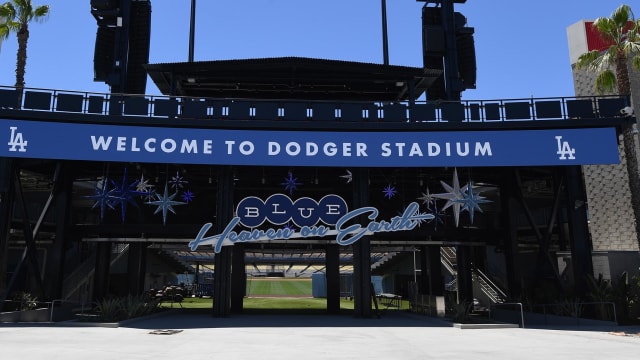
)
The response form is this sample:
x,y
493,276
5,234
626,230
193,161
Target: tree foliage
x,y
621,32
16,15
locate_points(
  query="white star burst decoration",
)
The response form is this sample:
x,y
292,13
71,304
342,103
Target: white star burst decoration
x,y
143,186
427,199
454,196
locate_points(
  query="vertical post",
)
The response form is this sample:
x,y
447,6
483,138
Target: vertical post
x,y
465,281
238,278
136,267
362,251
436,281
7,197
222,260
53,276
101,274
581,257
385,40
508,217
192,29
332,264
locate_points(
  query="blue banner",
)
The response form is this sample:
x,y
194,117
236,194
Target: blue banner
x,y
74,141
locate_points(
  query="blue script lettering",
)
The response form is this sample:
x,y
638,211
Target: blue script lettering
x,y
346,234
229,236
352,233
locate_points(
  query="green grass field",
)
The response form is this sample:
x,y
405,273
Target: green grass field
x,y
278,287
276,295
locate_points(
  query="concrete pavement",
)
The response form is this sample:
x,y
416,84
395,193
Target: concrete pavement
x,y
397,335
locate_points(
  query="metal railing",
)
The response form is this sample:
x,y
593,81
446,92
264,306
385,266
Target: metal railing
x,y
467,111
49,306
510,304
570,309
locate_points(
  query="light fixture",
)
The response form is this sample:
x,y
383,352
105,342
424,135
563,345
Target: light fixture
x,y
191,80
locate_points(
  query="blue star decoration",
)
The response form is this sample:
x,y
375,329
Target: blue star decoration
x,y
438,216
471,201
177,182
187,196
104,197
389,191
165,203
290,183
125,194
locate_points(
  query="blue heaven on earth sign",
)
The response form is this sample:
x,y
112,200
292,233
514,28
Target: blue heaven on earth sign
x,y
327,217
74,141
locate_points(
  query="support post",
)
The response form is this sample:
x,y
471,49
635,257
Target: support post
x,y
53,276
581,256
136,267
362,251
510,233
101,274
436,281
332,265
222,260
238,278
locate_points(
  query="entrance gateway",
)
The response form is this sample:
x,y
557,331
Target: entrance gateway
x,y
98,189
238,203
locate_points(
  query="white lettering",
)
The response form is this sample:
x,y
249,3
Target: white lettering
x,y
464,152
415,150
292,148
229,146
483,149
189,146
433,149
168,145
121,144
361,149
311,149
246,148
330,149
274,148
147,145
386,151
207,147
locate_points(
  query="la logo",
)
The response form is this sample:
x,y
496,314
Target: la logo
x,y
16,142
564,149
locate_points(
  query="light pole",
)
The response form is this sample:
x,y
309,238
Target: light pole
x,y
385,40
192,29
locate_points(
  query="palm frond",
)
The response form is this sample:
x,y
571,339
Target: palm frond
x,y
586,60
606,82
636,62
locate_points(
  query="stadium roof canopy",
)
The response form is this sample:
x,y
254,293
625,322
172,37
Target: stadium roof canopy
x,y
292,78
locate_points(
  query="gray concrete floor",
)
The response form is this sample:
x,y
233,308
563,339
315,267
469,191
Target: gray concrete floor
x,y
397,335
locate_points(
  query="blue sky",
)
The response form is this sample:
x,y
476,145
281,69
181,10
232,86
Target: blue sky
x,y
521,46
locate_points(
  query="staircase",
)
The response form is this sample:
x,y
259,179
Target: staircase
x,y
82,276
388,257
484,289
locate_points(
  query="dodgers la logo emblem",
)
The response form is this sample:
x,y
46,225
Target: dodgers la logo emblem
x,y
16,141
565,150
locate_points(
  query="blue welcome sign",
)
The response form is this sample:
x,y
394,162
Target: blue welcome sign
x,y
72,141
314,219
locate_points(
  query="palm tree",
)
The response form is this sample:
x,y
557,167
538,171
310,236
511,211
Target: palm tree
x,y
17,15
611,65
